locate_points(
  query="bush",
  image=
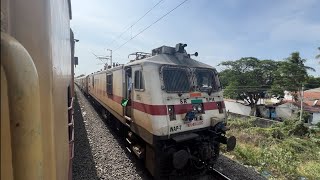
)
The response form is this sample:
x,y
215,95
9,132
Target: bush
x,y
318,124
274,132
279,160
277,133
305,116
272,150
240,123
299,130
294,146
290,122
249,154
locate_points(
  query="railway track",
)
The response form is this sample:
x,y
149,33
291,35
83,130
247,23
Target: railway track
x,y
217,175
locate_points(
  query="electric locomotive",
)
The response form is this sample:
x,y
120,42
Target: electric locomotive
x,y
170,107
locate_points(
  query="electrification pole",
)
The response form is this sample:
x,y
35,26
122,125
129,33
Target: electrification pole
x,y
101,58
110,56
301,99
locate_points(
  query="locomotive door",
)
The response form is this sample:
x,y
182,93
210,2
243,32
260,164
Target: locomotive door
x,y
91,84
128,92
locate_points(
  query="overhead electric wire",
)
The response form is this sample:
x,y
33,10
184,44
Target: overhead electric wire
x,y
135,22
151,25
261,87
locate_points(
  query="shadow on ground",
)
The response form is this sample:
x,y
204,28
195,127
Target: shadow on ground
x,y
83,163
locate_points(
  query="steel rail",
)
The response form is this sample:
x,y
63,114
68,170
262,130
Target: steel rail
x,y
217,175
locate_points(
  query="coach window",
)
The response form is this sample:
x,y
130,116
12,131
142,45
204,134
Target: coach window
x,y
109,83
138,80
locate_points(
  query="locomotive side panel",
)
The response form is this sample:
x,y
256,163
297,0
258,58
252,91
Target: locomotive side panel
x,y
159,118
141,97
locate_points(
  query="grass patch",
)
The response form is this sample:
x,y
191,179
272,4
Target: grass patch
x,y
310,169
250,154
286,150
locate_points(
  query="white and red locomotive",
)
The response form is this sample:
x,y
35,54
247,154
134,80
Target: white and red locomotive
x,y
169,105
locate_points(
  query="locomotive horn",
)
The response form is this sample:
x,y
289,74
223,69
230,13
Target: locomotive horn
x,y
195,54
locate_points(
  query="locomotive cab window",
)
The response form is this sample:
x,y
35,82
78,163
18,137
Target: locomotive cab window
x,y
138,80
109,83
176,79
205,80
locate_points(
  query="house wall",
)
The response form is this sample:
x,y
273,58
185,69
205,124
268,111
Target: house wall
x,y
315,118
288,96
264,111
237,108
285,110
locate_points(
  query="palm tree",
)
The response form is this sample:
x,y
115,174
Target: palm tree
x,y
296,59
318,56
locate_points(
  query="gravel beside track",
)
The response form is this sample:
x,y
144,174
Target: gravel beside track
x,y
101,154
236,171
83,166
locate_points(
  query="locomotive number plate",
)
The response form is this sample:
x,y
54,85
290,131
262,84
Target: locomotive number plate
x,y
183,101
175,128
194,123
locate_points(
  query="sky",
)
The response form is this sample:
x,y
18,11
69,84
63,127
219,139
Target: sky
x,y
217,30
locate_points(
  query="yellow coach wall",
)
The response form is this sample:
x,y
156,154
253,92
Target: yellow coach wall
x,y
43,28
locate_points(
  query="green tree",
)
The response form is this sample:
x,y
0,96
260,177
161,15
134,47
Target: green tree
x,y
312,82
247,79
291,74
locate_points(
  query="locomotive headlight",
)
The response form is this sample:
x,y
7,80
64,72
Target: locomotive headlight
x,y
199,108
194,108
172,114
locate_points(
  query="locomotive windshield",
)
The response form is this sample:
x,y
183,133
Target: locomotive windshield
x,y
176,79
182,80
205,80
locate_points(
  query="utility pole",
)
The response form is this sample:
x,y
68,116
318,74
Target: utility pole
x,y
301,99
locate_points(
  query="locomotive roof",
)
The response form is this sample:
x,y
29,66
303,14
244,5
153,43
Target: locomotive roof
x,y
163,59
164,55
169,59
